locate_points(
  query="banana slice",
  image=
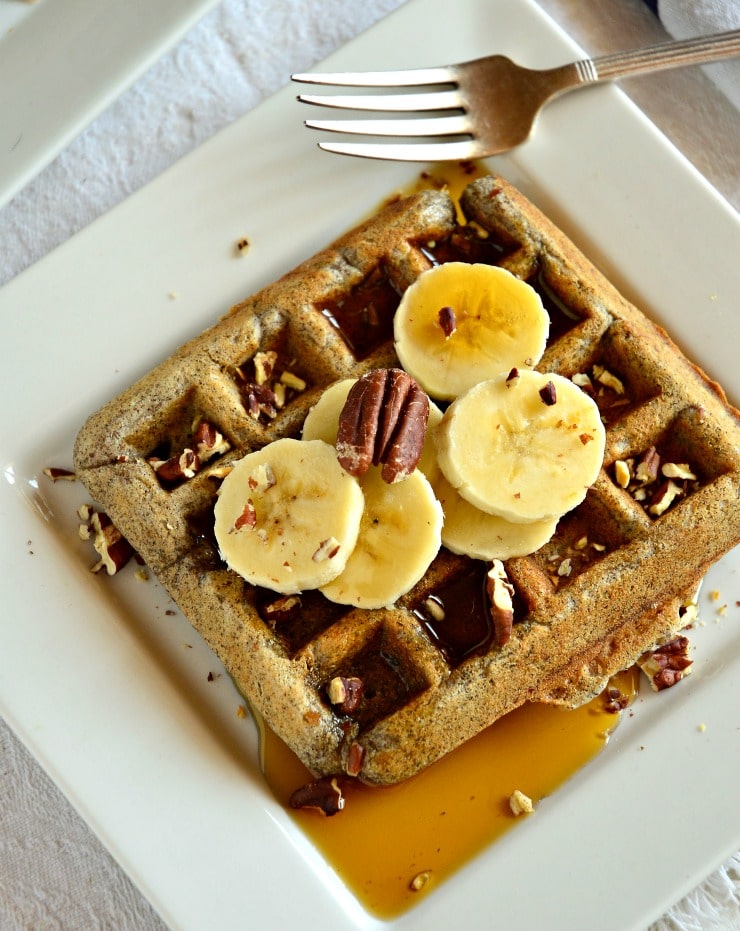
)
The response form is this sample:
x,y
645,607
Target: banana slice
x,y
525,447
459,324
323,419
471,532
400,535
288,516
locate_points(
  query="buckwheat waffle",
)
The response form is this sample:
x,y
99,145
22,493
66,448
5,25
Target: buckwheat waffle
x,y
610,585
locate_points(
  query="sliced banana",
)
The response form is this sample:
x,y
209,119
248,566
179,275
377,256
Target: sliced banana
x,y
459,324
526,448
471,532
288,516
400,535
323,419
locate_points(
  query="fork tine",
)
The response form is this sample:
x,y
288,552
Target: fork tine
x,y
440,126
409,152
414,77
441,100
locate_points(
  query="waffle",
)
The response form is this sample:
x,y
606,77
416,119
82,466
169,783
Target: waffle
x,y
611,584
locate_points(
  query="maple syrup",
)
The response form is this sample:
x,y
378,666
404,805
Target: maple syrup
x,y
428,827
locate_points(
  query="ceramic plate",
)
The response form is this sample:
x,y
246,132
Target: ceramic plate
x,y
108,686
63,61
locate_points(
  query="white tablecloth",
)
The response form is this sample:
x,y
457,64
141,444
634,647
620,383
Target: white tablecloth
x,y
53,871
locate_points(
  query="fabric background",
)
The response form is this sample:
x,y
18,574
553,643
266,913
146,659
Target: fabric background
x,y
54,874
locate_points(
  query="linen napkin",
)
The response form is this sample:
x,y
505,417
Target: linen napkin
x,y
684,19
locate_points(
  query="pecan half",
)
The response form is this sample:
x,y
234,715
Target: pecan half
x,y
384,420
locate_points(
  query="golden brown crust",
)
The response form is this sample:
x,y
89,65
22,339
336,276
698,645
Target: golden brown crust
x,y
606,588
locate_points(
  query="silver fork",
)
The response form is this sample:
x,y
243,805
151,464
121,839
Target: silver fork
x,y
483,107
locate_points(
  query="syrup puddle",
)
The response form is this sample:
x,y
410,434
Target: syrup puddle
x,y
431,825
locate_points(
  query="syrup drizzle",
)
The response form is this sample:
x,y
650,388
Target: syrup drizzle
x,y
434,823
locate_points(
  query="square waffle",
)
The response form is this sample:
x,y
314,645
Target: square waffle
x,y
610,585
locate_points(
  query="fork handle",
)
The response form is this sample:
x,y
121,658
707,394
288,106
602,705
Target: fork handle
x,y
655,57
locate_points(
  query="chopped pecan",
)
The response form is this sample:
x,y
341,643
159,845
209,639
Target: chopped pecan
x,y
548,394
327,549
501,593
355,756
383,420
110,544
679,470
667,664
209,442
622,473
435,608
263,478
264,365
270,387
324,795
520,803
261,401
282,610
447,321
648,465
664,497
291,380
247,518
583,380
420,880
176,468
615,700
345,693
608,379
56,474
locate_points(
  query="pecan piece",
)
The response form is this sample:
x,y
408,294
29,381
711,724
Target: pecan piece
x,y
327,549
345,693
282,610
56,474
501,593
324,795
548,394
354,760
209,442
110,544
176,468
648,466
667,664
615,700
261,401
520,803
383,421
447,321
664,497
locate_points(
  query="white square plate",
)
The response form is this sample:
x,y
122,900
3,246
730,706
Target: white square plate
x,y
63,61
109,689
